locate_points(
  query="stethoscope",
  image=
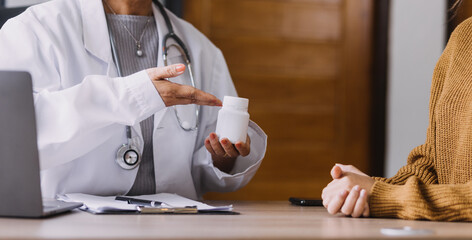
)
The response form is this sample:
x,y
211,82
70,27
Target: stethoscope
x,y
128,156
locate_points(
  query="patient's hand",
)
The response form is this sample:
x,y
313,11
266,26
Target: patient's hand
x,y
345,168
348,192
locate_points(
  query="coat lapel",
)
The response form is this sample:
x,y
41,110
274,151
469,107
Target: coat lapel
x,y
95,32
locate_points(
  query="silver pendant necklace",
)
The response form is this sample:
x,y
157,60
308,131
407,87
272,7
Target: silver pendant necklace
x,y
139,51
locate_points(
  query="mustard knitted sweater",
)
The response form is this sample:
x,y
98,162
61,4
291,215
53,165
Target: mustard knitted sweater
x,y
436,183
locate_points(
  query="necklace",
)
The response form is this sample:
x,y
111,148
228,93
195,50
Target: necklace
x,y
139,51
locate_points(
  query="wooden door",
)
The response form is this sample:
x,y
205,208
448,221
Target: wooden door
x,y
305,66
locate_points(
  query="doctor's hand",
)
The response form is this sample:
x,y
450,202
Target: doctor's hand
x,y
177,94
224,153
348,192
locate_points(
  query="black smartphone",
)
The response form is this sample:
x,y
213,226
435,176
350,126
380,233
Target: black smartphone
x,y
306,202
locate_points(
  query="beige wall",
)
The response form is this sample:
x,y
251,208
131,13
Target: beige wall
x,y
417,33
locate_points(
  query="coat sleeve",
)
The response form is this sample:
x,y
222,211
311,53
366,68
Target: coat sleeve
x,y
72,121
415,192
207,177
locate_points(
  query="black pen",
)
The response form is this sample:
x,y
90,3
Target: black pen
x,y
141,202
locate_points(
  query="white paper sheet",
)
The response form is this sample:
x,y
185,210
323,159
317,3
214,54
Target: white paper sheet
x,y
175,200
96,204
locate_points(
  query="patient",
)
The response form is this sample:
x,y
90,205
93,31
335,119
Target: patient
x,y
436,183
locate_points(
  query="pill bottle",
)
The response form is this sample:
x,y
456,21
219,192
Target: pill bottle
x,y
233,119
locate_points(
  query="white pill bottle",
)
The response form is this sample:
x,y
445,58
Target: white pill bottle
x,y
233,119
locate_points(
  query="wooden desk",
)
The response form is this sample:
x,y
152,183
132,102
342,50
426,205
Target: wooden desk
x,y
258,220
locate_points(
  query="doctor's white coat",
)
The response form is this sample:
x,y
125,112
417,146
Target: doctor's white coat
x,y
82,107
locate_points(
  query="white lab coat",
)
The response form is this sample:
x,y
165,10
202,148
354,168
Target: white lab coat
x,y
82,107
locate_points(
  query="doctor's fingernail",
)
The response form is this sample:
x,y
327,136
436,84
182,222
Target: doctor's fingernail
x,y
180,68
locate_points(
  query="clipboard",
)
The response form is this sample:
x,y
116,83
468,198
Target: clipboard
x,y
165,210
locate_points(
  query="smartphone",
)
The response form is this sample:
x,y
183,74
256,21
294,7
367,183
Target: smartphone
x,y
306,202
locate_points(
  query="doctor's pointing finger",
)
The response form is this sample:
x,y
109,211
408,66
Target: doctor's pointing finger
x,y
177,94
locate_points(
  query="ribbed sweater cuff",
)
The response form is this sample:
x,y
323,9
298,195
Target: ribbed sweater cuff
x,y
384,201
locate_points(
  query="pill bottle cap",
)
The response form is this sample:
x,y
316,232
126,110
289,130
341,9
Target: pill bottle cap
x,y
235,103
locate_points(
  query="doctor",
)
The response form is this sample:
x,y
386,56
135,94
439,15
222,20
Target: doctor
x,y
99,133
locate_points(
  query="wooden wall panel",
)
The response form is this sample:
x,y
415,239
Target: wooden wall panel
x,y
288,95
269,18
280,57
304,65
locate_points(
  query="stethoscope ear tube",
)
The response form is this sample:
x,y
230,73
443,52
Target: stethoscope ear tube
x,y
181,47
180,44
183,124
171,33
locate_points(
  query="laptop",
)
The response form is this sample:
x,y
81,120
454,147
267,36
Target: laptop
x,y
20,188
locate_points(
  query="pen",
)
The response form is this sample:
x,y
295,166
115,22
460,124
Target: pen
x,y
137,201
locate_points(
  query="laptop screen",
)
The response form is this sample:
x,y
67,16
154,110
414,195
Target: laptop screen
x,y
20,187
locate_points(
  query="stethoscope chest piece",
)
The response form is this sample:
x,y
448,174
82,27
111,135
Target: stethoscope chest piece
x,y
127,157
